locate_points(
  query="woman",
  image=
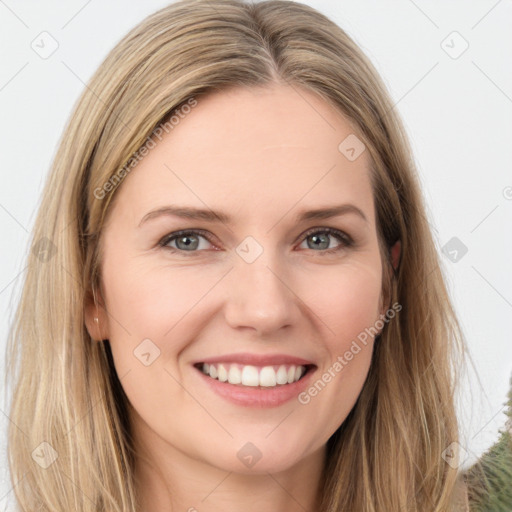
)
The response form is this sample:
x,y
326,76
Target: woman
x,y
234,295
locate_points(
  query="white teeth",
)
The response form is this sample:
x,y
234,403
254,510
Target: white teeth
x,y
222,373
268,377
234,375
253,376
250,376
282,375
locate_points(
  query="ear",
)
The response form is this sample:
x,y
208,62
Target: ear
x,y
395,254
96,319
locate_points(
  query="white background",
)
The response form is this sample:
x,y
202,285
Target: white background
x,y
457,111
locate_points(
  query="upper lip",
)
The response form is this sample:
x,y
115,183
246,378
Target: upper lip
x,y
257,359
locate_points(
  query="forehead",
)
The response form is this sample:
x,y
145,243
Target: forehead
x,y
252,151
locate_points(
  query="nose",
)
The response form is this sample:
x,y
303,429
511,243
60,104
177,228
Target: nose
x,y
261,296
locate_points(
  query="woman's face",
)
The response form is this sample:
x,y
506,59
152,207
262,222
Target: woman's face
x,y
257,294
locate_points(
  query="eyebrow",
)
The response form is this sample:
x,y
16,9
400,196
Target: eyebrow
x,y
187,212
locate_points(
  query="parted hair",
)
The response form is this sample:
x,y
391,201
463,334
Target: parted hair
x,y
388,453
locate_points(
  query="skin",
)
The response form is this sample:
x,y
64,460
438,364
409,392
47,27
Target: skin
x,y
261,155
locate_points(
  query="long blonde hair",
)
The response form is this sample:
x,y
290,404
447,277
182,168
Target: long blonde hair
x,y
68,401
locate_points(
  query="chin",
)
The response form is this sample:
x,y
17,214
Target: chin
x,y
258,457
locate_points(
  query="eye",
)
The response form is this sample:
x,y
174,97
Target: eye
x,y
320,239
190,240
185,240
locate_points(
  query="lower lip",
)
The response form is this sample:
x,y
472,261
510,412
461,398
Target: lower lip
x,y
249,396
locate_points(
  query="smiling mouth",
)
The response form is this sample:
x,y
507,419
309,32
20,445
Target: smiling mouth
x,y
255,376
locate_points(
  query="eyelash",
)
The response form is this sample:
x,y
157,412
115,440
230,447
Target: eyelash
x,y
345,240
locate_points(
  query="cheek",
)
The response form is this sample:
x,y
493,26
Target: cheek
x,y
150,314
349,308
348,300
152,303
